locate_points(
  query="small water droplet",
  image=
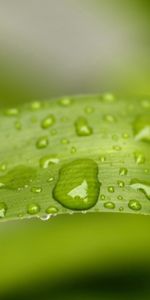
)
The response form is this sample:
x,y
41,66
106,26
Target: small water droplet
x,y
117,148
50,179
121,208
33,209
111,189
134,205
3,209
3,167
47,160
35,105
78,186
42,142
123,171
108,98
109,118
73,150
65,102
53,132
36,189
121,184
82,127
48,122
102,197
52,210
145,103
125,135
109,205
139,157
142,186
89,110
120,198
102,158
18,125
65,141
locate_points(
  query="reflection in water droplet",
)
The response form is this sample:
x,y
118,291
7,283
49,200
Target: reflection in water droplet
x,y
78,187
82,127
142,186
134,205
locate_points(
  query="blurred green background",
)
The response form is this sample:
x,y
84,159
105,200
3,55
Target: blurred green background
x,y
52,48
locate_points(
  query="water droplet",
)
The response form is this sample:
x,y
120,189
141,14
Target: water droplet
x,y
33,209
102,197
82,127
117,148
50,179
142,186
11,112
142,128
18,177
35,105
36,189
109,118
111,189
52,210
134,205
65,141
123,171
120,198
109,205
65,102
125,135
89,109
53,132
145,103
18,125
108,97
121,184
47,160
3,167
78,186
48,122
121,208
139,157
73,150
42,142
102,158
3,209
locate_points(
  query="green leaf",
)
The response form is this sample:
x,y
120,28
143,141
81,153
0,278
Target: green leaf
x,y
85,153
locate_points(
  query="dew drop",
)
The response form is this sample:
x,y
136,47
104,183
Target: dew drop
x,y
73,150
102,197
139,158
3,209
65,141
48,122
3,167
111,189
65,102
117,148
36,189
109,205
18,125
33,209
102,158
121,184
47,160
35,105
89,109
78,186
52,210
123,171
108,98
134,205
142,186
82,127
42,142
109,118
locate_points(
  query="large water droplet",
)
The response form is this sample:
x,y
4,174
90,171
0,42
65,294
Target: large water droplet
x,y
78,186
141,186
109,205
142,128
82,127
19,177
33,209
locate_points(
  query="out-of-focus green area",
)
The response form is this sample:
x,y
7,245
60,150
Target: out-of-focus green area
x,y
53,48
